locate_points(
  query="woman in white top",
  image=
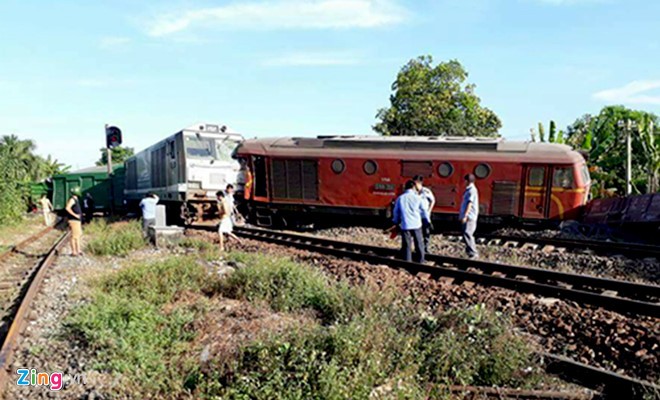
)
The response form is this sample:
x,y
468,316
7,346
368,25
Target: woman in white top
x,y
226,225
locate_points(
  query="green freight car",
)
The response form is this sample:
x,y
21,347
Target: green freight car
x,y
108,192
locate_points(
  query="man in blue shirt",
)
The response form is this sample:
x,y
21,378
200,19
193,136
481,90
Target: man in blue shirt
x,y
410,213
469,214
148,207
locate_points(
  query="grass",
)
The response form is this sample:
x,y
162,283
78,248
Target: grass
x,y
117,239
137,325
367,342
361,343
287,286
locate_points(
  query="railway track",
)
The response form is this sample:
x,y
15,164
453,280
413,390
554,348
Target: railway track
x,y
23,269
620,296
631,250
615,295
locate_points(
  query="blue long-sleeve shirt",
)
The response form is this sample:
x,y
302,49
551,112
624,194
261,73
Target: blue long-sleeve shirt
x,y
410,210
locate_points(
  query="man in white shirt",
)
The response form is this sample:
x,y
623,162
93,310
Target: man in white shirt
x,y
47,209
148,207
469,215
429,202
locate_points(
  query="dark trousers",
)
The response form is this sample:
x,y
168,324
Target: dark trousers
x,y
407,239
426,235
146,223
468,238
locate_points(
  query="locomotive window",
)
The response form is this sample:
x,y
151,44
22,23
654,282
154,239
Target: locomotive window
x,y
445,170
482,170
370,167
338,166
536,176
563,178
586,178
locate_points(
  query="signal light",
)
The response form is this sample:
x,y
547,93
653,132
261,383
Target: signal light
x,y
112,137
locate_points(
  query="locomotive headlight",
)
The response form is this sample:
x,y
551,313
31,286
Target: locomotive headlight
x,y
194,185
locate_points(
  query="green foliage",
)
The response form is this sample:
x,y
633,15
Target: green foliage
x,y
553,131
435,101
604,141
541,132
19,167
132,326
114,240
287,286
119,155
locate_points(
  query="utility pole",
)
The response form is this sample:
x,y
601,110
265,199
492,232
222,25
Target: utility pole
x,y
628,125
108,153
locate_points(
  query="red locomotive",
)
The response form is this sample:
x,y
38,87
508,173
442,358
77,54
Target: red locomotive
x,y
298,180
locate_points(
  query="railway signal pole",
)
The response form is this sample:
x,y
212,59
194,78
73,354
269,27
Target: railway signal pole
x,y
108,152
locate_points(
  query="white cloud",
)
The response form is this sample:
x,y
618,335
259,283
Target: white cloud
x,y
109,42
283,14
311,59
632,93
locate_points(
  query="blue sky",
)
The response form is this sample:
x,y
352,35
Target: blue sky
x,y
292,67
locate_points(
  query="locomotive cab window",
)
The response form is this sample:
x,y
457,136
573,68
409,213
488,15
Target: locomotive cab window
x,y
482,171
370,167
536,176
563,178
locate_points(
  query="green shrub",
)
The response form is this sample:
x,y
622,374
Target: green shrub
x,y
472,347
288,286
115,239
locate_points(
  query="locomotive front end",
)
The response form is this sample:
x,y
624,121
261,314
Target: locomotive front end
x,y
209,169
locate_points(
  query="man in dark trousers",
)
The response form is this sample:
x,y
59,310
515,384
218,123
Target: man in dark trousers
x,y
88,207
469,214
410,213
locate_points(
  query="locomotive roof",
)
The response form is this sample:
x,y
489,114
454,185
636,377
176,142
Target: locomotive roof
x,y
390,147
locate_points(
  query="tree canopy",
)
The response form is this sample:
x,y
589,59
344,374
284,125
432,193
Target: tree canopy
x,y
435,101
119,155
604,141
19,166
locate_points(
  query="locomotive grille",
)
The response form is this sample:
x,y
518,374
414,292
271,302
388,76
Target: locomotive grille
x,y
505,198
158,168
131,174
412,168
445,195
295,179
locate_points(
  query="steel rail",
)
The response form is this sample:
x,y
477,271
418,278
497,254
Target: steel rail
x,y
583,289
19,318
632,250
26,241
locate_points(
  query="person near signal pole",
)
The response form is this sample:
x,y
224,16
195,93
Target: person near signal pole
x,y
410,213
47,210
469,214
75,216
429,200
